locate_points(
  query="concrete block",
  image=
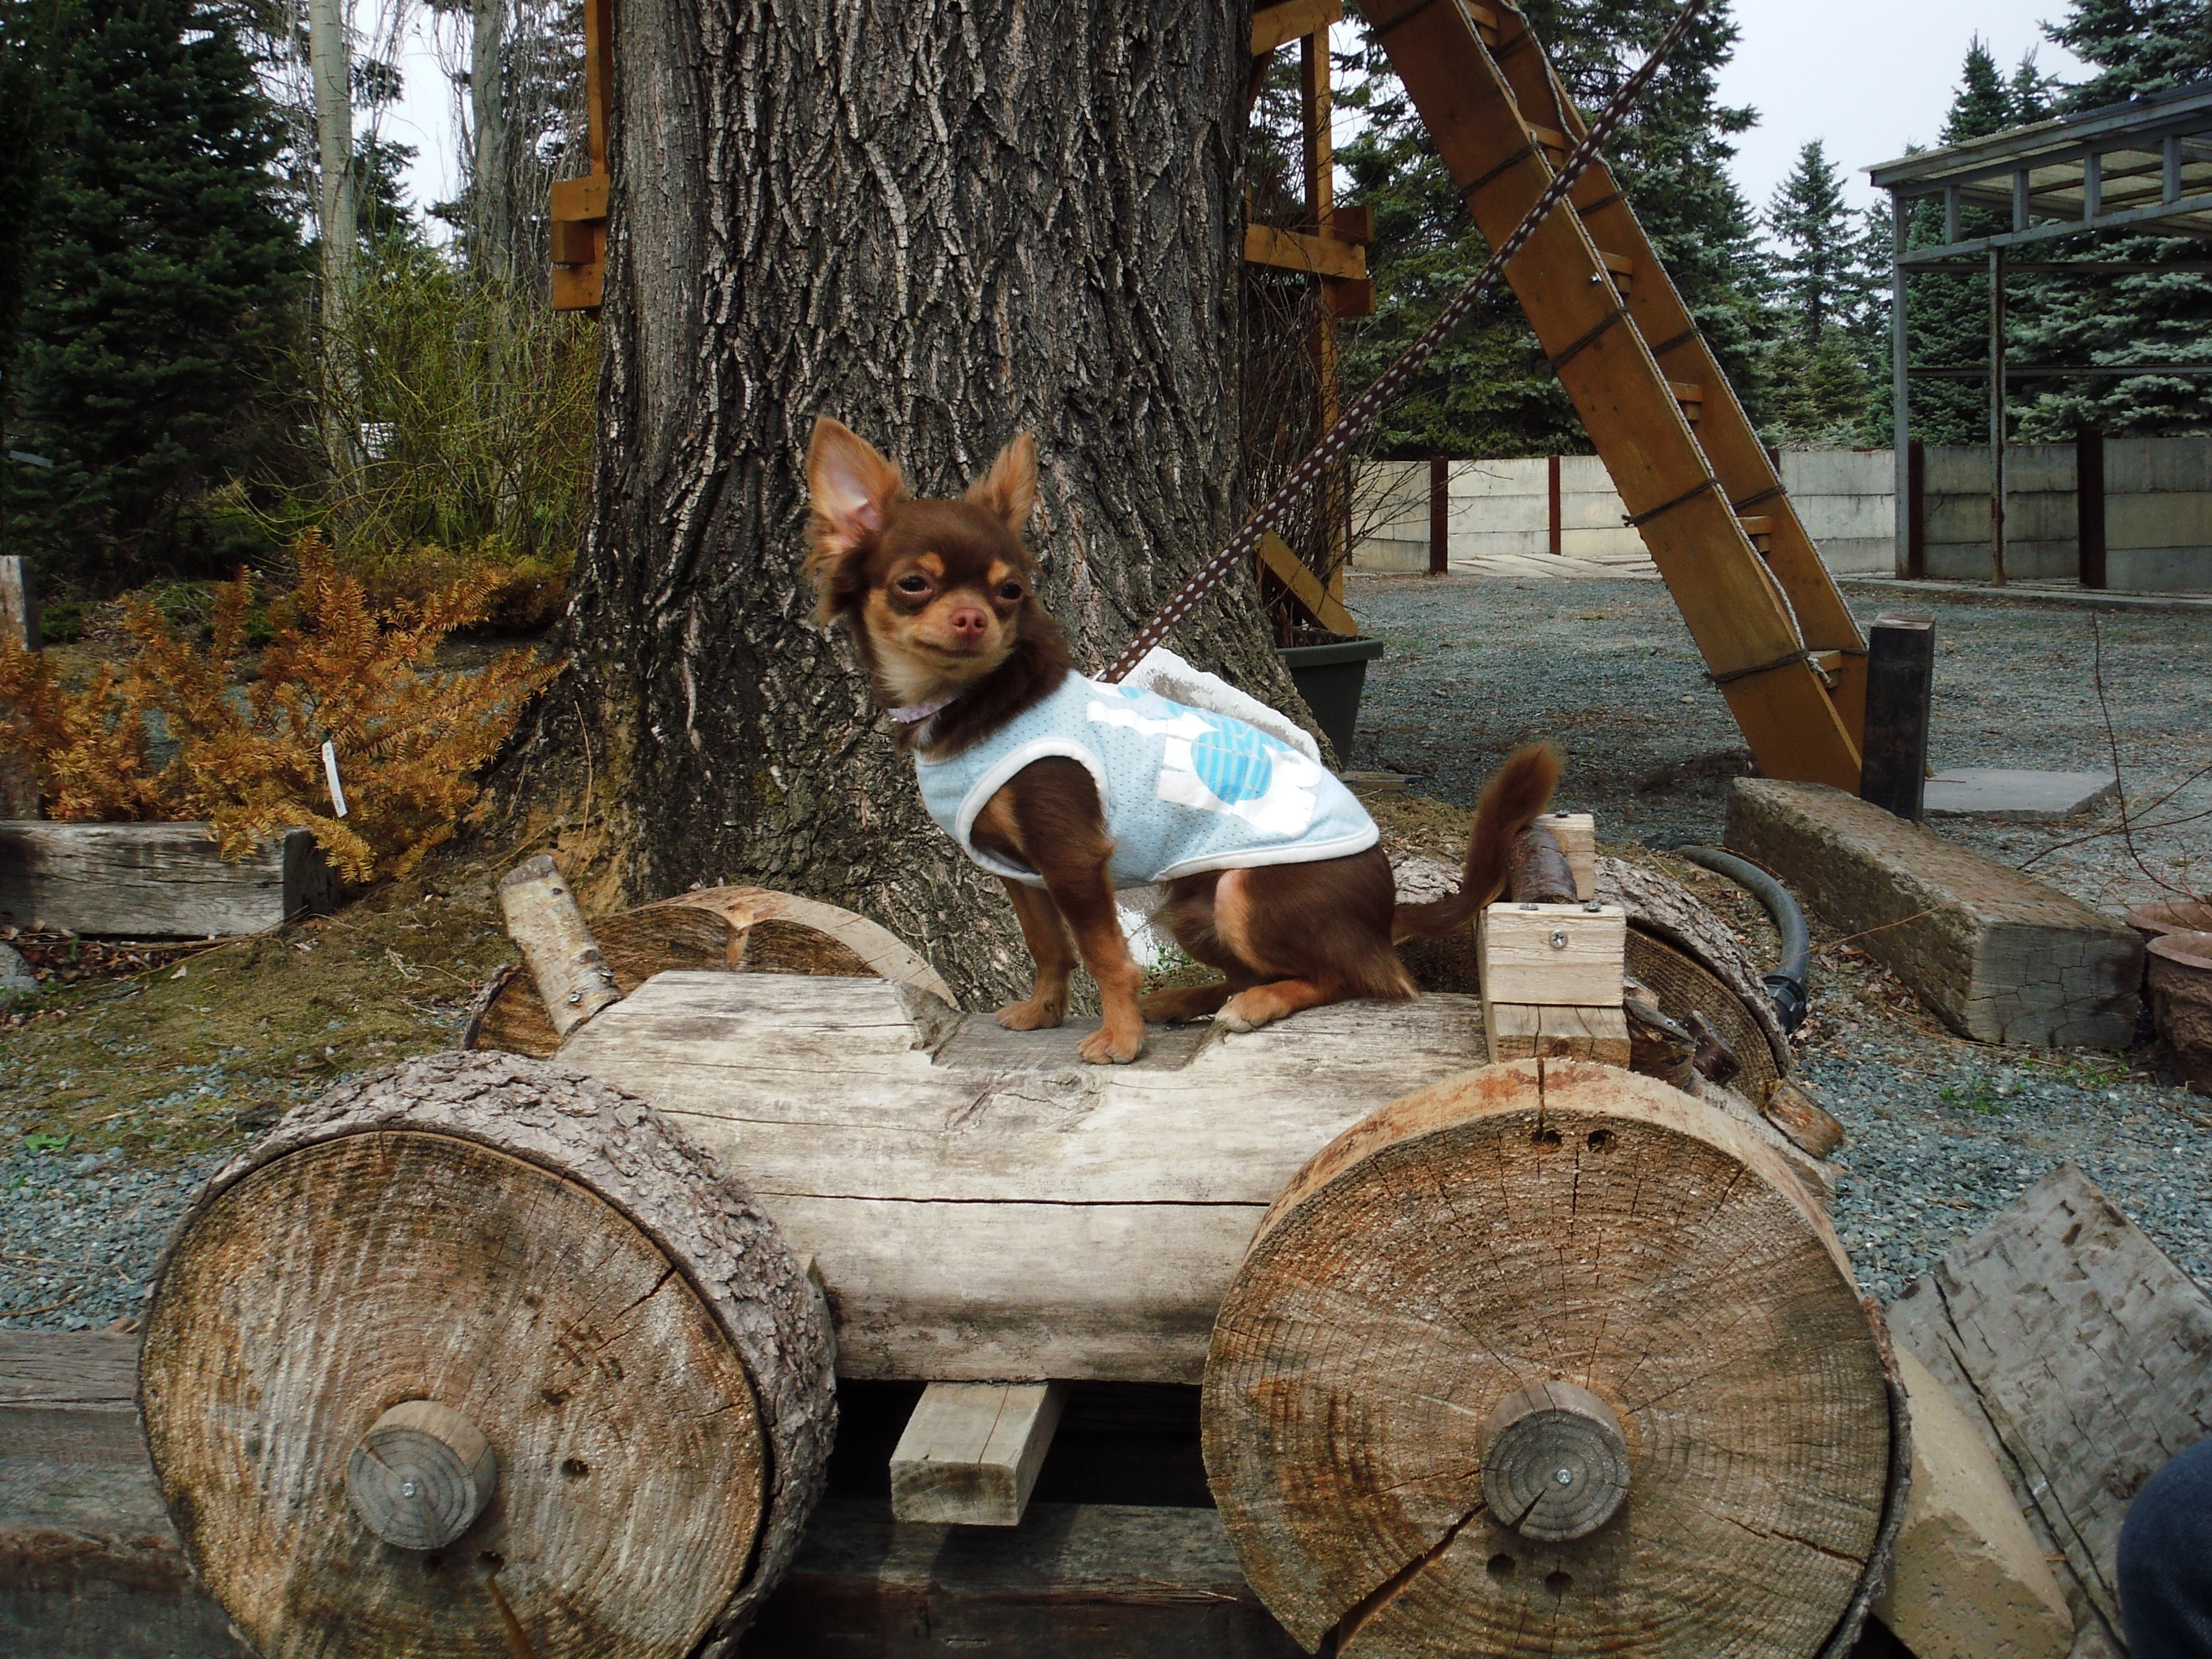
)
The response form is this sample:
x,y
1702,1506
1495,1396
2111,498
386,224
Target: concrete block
x,y
1839,472
2162,519
2005,796
2000,957
1969,1580
2159,569
1858,555
2135,464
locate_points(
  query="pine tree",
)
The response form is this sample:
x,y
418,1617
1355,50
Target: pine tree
x,y
2138,47
162,273
1489,391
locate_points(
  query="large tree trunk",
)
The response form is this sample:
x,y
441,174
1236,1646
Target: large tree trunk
x,y
941,222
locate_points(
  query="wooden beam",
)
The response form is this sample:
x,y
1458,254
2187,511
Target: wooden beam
x,y
1349,224
1554,955
1680,484
1295,250
1277,25
1347,296
1900,688
577,288
1522,1031
1305,587
155,880
599,80
580,198
971,1452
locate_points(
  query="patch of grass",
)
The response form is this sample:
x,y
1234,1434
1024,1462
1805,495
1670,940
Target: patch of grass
x,y
189,1060
1979,1096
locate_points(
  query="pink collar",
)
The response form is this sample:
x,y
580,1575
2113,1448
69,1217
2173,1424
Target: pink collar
x,y
913,713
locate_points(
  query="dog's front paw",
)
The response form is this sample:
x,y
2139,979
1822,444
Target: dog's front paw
x,y
1106,1046
1037,1014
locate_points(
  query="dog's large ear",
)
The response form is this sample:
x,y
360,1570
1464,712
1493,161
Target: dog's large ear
x,y
849,486
1009,489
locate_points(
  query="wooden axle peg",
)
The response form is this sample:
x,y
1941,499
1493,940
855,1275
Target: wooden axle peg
x,y
421,1475
1554,1462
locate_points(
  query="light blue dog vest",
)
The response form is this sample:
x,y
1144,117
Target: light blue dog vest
x,y
1184,789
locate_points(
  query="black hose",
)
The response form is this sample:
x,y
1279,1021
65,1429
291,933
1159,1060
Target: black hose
x,y
1785,983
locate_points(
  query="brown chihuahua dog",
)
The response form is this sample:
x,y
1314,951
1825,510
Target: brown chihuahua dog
x,y
1272,870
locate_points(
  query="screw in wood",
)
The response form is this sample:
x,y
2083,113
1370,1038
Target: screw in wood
x,y
1554,1462
422,1475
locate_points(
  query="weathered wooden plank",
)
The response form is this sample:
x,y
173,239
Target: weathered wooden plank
x,y
2001,957
1969,1580
1556,956
1519,1031
154,880
2083,1355
958,1185
1076,1581
971,1451
90,1567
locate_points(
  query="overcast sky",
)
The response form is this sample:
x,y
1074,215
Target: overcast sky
x,y
1869,77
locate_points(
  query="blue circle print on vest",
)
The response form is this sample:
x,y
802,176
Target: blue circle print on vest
x,y
1234,761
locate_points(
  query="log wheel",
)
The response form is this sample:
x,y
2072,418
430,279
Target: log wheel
x,y
742,929
477,1356
1552,1359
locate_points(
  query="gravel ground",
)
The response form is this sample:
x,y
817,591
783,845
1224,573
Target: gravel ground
x,y
1942,1132
79,1235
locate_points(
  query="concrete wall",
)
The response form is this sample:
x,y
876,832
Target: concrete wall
x,y
2158,511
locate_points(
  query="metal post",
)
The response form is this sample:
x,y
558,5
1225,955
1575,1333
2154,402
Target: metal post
x,y
1900,401
1439,517
2089,506
1558,535
1996,417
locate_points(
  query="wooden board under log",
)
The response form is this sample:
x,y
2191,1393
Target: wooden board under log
x,y
1554,1359
959,1185
742,929
540,1254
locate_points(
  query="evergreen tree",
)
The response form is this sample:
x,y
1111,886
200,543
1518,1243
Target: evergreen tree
x,y
162,271
1489,391
2137,47
1947,315
1823,288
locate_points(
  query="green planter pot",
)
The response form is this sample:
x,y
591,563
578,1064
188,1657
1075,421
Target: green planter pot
x,y
1331,677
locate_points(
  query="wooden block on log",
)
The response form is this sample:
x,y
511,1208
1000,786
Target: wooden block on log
x,y
1969,1580
2078,1349
154,880
1519,1031
90,1567
971,1452
959,1185
2001,957
1075,1581
1576,833
1554,955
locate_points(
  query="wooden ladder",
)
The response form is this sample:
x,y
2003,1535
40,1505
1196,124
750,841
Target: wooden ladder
x,y
1777,636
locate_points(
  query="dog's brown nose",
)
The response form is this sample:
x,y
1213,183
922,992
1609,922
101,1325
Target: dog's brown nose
x,y
969,622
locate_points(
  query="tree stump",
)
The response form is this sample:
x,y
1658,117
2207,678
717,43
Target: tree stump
x,y
1474,1318
742,929
502,1313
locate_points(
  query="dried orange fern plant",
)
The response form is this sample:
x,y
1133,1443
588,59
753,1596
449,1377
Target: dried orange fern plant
x,y
409,737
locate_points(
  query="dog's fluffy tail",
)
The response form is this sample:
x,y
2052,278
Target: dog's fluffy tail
x,y
1518,795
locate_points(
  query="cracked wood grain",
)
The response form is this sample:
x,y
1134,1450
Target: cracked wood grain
x,y
1542,1221
549,1257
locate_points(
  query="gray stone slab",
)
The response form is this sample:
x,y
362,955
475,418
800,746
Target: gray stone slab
x,y
2005,796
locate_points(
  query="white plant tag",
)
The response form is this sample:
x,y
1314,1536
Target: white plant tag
x,y
331,771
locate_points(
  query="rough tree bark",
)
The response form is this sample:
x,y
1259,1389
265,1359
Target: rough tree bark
x,y
942,223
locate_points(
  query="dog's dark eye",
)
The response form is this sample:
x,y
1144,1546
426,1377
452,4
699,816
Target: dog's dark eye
x,y
912,585
1009,590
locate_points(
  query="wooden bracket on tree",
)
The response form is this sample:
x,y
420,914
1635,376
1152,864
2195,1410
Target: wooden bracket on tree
x,y
1277,559
1298,250
971,1452
572,975
1279,25
578,206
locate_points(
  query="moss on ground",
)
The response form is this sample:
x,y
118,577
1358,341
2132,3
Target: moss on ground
x,y
186,1058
